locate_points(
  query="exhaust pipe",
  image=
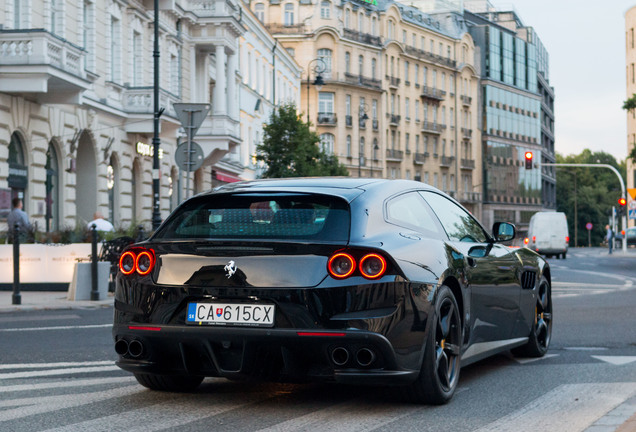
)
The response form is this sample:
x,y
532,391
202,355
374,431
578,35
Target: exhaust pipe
x,y
340,356
121,347
365,357
135,348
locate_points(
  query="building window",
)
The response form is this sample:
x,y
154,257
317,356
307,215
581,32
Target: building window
x,y
18,180
348,145
325,10
361,22
137,60
289,14
327,143
417,110
347,22
259,11
347,62
325,54
374,109
360,65
374,26
115,50
406,71
325,103
407,108
374,64
57,17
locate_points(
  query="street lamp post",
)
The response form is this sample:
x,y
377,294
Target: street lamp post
x,y
318,66
363,117
156,212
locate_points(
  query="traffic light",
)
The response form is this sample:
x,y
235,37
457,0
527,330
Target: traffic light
x,y
622,205
528,156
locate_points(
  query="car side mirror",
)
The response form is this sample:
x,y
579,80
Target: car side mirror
x,y
503,231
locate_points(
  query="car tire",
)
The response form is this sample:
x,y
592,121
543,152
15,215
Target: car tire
x,y
170,383
541,333
439,373
563,255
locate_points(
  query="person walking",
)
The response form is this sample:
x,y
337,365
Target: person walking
x,y
19,217
609,237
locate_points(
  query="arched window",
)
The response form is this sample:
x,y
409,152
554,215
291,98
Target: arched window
x,y
361,22
18,173
347,22
325,55
289,14
112,185
347,62
326,142
52,186
259,11
390,30
374,26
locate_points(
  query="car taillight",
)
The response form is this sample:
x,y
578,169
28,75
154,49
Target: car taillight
x,y
534,239
372,266
567,239
341,265
140,260
526,241
127,263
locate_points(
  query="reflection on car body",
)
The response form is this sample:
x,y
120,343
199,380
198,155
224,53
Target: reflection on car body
x,y
361,281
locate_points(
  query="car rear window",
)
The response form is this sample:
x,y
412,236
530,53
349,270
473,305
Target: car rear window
x,y
268,216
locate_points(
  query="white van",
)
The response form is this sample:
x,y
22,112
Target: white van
x,y
548,234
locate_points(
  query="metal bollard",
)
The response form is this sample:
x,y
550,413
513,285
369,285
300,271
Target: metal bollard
x,y
17,297
140,233
94,288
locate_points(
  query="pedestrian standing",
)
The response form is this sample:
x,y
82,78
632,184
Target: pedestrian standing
x,y
19,217
609,237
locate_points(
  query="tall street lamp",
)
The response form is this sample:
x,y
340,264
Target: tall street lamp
x,y
318,66
156,212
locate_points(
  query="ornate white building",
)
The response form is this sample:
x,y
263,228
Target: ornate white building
x,y
76,102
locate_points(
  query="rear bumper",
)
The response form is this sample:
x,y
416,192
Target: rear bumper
x,y
271,354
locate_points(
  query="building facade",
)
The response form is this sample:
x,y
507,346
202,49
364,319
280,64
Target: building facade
x,y
630,64
76,103
400,91
517,103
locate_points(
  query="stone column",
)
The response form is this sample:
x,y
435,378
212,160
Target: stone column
x,y
231,86
220,97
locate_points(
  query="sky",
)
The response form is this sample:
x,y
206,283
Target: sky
x,y
586,43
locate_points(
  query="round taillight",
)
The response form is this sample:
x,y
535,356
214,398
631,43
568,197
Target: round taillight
x,y
372,266
534,239
127,262
526,240
144,263
341,265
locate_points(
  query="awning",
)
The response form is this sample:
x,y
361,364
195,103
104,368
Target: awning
x,y
227,178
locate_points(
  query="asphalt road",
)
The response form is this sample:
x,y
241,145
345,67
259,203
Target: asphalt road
x,y
57,374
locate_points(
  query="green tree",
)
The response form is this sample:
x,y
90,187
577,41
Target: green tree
x,y
291,149
630,105
594,190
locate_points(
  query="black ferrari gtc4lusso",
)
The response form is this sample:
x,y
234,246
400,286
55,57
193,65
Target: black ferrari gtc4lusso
x,y
364,281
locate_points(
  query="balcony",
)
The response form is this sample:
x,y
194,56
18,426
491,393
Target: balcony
x,y
138,102
467,164
375,124
467,133
433,94
364,38
470,197
327,119
466,100
393,155
360,80
37,62
393,82
218,135
348,121
420,158
424,55
431,127
394,119
446,161
285,29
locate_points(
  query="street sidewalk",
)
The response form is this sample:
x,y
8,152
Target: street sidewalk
x,y
49,300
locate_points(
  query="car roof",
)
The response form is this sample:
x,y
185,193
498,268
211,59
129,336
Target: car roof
x,y
348,188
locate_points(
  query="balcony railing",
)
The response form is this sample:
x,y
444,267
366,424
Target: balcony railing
x,y
348,120
420,158
362,80
431,127
364,38
393,81
467,133
394,119
327,118
446,161
285,29
467,164
470,197
424,55
394,155
432,93
139,100
466,100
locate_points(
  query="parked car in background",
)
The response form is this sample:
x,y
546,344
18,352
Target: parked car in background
x,y
548,234
356,281
631,237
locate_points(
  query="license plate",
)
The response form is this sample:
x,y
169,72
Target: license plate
x,y
242,314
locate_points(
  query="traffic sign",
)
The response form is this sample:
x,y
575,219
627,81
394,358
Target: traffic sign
x,y
632,214
588,226
196,156
191,115
632,204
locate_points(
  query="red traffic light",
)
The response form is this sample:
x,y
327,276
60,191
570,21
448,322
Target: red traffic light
x,y
528,157
622,202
